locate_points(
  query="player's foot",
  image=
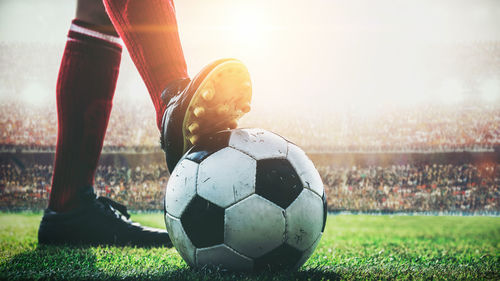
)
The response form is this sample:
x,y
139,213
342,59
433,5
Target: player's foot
x,y
97,221
214,100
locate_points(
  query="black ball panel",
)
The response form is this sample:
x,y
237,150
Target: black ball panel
x,y
208,145
277,181
325,212
283,257
203,222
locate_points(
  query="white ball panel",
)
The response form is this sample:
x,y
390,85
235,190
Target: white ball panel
x,y
181,187
180,239
254,226
226,176
223,257
258,143
304,167
304,220
307,253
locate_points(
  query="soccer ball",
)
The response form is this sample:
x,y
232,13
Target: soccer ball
x,y
245,200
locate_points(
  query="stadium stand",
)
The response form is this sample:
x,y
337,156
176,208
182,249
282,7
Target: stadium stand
x,y
421,129
434,187
444,176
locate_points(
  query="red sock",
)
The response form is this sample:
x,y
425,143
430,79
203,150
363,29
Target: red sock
x,y
149,30
85,89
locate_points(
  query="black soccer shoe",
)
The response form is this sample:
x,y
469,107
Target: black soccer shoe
x,y
214,100
98,221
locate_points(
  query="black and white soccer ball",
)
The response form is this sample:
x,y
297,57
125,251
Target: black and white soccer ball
x,y
245,200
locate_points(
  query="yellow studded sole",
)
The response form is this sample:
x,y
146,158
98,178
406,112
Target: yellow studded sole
x,y
222,98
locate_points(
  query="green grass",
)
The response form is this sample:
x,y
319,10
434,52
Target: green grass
x,y
353,247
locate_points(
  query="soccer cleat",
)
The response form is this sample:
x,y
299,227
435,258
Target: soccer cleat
x,y
213,101
97,221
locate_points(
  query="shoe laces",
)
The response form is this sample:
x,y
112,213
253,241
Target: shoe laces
x,y
114,207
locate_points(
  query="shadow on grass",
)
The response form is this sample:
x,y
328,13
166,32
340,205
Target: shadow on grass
x,y
309,274
50,262
214,274
80,263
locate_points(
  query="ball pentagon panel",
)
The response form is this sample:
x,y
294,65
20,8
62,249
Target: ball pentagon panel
x,y
285,256
258,143
325,211
203,222
277,181
226,176
254,226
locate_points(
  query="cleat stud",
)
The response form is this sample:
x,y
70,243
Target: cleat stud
x,y
194,139
233,124
223,109
194,128
208,95
199,111
246,108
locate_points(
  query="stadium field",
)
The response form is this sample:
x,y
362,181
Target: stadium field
x,y
358,247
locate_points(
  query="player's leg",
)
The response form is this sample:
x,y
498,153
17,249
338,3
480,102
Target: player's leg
x,y
84,93
213,100
94,13
85,89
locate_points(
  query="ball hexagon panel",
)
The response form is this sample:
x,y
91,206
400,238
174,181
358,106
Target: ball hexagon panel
x,y
304,220
282,257
258,143
305,169
208,145
307,253
181,187
222,186
180,239
254,226
224,257
277,181
203,222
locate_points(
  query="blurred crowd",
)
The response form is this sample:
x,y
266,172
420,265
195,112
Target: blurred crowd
x,y
29,125
422,128
28,120
140,188
425,128
433,187
34,128
437,187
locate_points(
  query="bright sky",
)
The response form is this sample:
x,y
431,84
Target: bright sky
x,y
308,53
